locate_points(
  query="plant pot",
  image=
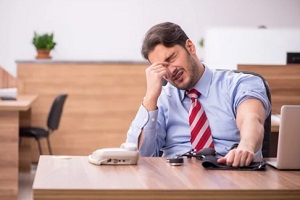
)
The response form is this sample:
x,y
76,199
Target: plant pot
x,y
43,54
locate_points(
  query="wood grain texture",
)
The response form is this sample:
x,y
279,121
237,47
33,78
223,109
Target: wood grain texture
x,y
6,79
102,101
154,178
9,123
283,80
9,144
22,103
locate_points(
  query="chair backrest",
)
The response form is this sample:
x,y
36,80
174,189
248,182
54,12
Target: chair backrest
x,y
267,124
56,111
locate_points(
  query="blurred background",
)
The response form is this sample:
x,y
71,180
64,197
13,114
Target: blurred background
x,y
233,31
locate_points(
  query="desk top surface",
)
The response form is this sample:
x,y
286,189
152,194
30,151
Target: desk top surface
x,y
55,172
153,178
22,103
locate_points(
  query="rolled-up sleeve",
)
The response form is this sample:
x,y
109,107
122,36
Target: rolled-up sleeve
x,y
252,87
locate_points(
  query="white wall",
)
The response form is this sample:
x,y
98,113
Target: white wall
x,y
225,48
114,29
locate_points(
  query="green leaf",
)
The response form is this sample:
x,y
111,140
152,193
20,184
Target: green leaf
x,y
43,41
201,42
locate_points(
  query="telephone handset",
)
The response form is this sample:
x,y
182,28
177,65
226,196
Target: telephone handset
x,y
127,154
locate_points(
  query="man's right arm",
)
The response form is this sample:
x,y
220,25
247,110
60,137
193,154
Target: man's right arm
x,y
143,132
150,104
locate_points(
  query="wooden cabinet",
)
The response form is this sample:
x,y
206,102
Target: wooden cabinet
x,y
103,100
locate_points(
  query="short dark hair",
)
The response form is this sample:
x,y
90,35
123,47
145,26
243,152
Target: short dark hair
x,y
167,34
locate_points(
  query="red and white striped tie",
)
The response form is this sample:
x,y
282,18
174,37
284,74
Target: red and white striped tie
x,y
200,130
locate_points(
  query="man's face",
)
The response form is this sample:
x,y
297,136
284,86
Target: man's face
x,y
181,64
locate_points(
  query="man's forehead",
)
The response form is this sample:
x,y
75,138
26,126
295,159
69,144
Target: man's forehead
x,y
160,53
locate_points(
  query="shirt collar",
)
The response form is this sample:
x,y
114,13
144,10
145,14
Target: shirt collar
x,y
203,84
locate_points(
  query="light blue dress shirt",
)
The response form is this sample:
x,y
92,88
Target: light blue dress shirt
x,y
167,128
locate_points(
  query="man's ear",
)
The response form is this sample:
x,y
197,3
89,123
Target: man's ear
x,y
190,46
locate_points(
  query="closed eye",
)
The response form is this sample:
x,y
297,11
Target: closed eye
x,y
170,57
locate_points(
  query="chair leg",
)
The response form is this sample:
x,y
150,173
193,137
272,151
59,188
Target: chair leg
x,y
49,146
39,144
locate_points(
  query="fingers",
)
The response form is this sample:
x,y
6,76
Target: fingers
x,y
154,75
159,70
249,160
222,160
237,158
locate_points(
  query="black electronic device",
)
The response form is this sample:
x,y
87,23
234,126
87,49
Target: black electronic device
x,y
7,98
293,58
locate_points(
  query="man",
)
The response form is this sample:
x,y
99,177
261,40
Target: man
x,y
235,104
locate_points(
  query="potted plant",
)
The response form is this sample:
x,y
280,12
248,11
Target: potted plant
x,y
44,44
201,43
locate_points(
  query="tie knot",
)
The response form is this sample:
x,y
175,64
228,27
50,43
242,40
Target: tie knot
x,y
193,93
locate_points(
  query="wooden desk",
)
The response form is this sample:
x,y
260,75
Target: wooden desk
x,y
9,143
273,139
153,178
274,128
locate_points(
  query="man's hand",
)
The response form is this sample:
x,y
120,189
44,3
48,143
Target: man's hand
x,y
154,75
237,158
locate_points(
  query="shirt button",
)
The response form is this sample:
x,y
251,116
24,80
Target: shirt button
x,y
153,119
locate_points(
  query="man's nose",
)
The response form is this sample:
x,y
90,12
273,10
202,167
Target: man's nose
x,y
172,68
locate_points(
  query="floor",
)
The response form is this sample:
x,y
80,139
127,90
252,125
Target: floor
x,y
25,184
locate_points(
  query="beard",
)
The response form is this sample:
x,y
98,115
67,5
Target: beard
x,y
192,74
